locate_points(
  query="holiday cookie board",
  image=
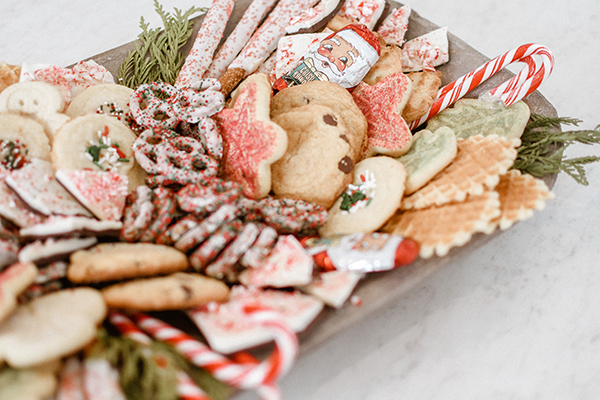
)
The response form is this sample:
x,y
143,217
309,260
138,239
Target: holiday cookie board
x,y
377,289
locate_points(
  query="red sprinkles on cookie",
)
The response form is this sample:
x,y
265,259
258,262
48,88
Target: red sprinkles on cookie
x,y
382,105
252,141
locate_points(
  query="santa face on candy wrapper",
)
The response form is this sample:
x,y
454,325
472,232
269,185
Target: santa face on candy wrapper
x,y
337,54
344,58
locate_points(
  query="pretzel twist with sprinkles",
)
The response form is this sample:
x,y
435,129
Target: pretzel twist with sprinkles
x,y
164,106
179,159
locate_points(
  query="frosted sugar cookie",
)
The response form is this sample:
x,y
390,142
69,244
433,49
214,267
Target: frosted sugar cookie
x,y
479,162
372,198
470,117
429,154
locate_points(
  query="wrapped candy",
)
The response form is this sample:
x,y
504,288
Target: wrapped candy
x,y
344,57
362,252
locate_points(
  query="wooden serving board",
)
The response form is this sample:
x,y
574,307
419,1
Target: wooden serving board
x,y
378,289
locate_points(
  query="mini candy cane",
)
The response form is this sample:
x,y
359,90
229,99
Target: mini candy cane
x,y
515,89
206,42
187,389
259,376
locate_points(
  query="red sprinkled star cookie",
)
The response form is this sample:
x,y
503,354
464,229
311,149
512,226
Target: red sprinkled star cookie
x,y
252,141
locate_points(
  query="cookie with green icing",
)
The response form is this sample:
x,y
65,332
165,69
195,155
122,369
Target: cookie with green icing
x,y
471,117
430,153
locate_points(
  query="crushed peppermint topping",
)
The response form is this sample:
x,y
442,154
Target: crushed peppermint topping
x,y
359,196
105,153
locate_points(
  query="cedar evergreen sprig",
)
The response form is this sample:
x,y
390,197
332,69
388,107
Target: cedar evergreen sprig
x,y
543,145
157,56
150,371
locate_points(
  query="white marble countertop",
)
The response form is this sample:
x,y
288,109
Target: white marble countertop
x,y
516,318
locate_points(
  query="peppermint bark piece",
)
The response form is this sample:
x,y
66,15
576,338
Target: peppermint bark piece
x,y
101,192
36,185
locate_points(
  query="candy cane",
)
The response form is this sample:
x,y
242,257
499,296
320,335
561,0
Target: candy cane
x,y
511,91
128,328
258,376
187,389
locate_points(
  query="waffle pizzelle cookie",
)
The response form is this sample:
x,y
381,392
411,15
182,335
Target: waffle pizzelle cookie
x,y
479,162
520,195
437,229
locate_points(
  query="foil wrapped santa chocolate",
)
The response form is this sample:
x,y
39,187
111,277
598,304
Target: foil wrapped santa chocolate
x,y
362,252
344,57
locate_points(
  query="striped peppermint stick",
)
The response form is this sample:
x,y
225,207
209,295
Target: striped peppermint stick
x,y
260,376
525,82
187,389
128,328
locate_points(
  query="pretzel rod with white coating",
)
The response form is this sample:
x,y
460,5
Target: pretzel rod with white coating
x,y
235,42
209,35
265,39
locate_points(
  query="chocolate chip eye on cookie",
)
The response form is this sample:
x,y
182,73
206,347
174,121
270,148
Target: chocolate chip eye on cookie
x,y
245,190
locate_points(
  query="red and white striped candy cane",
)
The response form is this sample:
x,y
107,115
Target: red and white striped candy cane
x,y
187,389
128,328
525,82
261,376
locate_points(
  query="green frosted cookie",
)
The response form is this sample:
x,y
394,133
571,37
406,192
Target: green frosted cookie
x,y
430,153
471,117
